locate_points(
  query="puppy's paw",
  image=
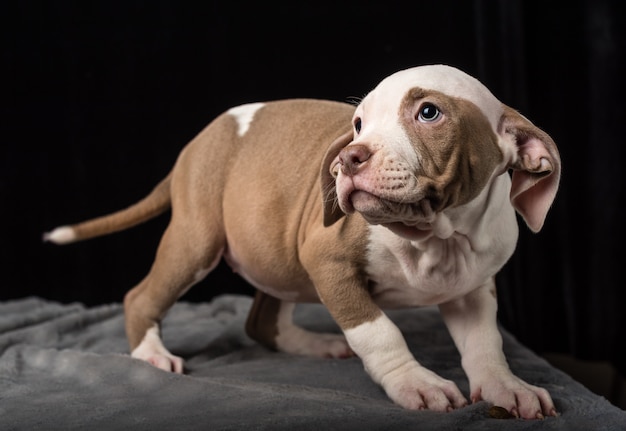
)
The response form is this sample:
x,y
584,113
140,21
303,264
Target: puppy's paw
x,y
516,396
333,346
169,362
298,341
417,388
151,350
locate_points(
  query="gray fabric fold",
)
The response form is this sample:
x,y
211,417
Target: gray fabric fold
x,y
66,367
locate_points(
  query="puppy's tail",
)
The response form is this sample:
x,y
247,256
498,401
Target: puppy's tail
x,y
156,203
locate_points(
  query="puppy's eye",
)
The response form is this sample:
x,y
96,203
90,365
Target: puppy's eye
x,y
428,113
357,125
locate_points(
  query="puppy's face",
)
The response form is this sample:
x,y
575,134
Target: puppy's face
x,y
424,140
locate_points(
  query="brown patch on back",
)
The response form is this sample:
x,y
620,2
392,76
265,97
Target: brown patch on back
x,y
457,154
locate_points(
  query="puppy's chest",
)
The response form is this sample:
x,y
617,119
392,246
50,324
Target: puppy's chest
x,y
403,274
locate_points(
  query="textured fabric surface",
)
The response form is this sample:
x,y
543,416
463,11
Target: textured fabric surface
x,y
65,367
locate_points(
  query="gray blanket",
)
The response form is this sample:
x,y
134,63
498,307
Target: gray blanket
x,y
65,367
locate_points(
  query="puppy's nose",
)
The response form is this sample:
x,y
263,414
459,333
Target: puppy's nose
x,y
353,158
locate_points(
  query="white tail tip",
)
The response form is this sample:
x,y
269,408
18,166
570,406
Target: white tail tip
x,y
60,235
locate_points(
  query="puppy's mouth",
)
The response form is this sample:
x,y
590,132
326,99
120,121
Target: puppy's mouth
x,y
411,220
412,233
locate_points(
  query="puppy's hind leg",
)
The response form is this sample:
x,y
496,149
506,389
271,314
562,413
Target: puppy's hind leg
x,y
182,260
270,322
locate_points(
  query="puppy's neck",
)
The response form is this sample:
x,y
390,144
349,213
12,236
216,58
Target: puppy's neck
x,y
487,218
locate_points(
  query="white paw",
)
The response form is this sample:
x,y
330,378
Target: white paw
x,y
516,396
387,359
166,362
151,350
299,341
416,388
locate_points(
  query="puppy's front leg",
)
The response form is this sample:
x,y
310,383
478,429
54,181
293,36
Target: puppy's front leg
x,y
341,284
389,362
473,326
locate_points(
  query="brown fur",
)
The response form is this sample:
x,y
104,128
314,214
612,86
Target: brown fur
x,y
156,203
262,322
224,214
457,170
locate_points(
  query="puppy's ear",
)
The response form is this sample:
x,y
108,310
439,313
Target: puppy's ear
x,y
332,212
536,169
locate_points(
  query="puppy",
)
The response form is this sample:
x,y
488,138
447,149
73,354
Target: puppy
x,y
406,200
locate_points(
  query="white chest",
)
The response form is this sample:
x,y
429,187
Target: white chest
x,y
406,274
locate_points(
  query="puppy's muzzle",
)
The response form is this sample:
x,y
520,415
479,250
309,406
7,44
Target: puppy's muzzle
x,y
382,197
353,159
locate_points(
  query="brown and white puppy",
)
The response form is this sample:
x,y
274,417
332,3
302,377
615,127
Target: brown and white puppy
x,y
414,205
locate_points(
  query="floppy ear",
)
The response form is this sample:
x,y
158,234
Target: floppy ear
x,y
332,212
536,169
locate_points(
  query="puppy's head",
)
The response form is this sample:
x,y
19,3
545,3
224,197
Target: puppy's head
x,y
431,138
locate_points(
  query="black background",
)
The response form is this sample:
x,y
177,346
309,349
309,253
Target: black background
x,y
99,97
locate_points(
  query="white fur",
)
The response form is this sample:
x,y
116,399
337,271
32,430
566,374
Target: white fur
x,y
389,362
383,353
60,235
152,350
444,79
244,115
453,260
